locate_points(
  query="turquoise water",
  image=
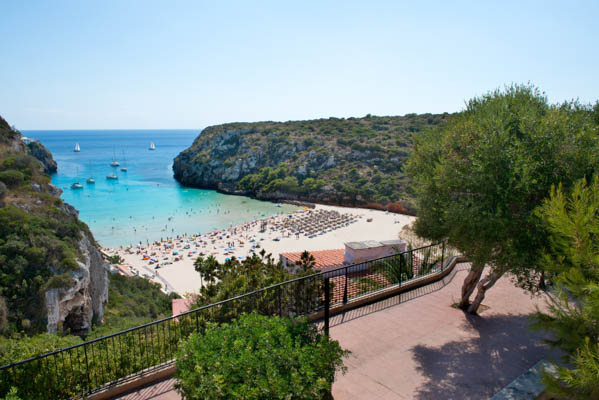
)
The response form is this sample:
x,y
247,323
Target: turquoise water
x,y
146,203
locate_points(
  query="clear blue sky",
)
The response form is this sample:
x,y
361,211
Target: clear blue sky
x,y
189,64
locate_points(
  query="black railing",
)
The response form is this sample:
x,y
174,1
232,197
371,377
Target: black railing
x,y
91,366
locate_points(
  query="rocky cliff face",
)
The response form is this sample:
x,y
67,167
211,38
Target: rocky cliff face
x,y
40,152
57,251
73,308
355,161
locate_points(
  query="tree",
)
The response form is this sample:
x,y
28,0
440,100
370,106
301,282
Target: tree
x,y
307,261
115,259
207,268
573,313
479,178
256,357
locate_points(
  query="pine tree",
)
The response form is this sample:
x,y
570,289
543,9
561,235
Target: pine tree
x,y
573,266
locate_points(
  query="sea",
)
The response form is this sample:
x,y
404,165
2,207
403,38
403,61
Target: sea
x,y
145,203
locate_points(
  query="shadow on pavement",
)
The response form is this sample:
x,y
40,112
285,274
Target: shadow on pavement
x,y
477,368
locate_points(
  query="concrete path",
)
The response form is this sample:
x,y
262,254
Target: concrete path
x,y
416,346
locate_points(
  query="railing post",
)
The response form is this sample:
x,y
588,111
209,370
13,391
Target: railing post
x,y
280,305
345,290
443,256
87,368
327,301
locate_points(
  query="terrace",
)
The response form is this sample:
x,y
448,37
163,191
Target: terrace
x,y
416,346
394,313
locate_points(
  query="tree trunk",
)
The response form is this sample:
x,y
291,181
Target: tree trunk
x,y
470,284
485,284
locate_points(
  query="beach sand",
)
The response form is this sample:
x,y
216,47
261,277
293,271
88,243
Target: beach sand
x,y
180,276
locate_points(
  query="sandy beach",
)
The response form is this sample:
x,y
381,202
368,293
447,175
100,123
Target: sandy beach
x,y
170,262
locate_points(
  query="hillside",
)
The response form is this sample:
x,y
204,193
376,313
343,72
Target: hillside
x,y
52,276
353,161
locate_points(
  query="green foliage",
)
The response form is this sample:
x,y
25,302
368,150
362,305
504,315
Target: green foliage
x,y
313,153
12,395
60,281
479,178
207,268
257,357
34,248
133,301
395,269
115,259
235,277
12,177
572,263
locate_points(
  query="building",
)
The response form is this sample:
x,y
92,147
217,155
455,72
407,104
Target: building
x,y
353,253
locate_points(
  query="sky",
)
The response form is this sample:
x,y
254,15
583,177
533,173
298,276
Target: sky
x,y
189,64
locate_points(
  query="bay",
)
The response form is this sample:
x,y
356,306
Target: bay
x,y
145,203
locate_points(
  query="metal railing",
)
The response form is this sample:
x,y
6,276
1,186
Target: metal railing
x,y
89,367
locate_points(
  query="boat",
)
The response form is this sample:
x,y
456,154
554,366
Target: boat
x,y
124,169
112,176
77,185
77,148
114,162
152,146
90,180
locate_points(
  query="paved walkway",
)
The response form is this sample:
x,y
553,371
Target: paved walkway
x,y
416,346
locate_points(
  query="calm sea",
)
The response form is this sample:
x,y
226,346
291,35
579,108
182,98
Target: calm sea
x,y
145,203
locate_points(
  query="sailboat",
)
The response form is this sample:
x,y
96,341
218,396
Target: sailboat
x,y
112,176
152,146
114,162
90,180
77,148
124,169
77,185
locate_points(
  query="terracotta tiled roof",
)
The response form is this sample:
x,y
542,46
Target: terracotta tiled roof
x,y
324,258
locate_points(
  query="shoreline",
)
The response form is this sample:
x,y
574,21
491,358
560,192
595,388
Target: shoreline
x,y
174,256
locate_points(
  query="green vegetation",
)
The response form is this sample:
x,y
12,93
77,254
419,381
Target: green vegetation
x,y
344,161
479,178
133,301
257,357
115,259
235,277
36,253
573,264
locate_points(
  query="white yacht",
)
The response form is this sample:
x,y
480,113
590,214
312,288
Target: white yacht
x,y
77,148
152,146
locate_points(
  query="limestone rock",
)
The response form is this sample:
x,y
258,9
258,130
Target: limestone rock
x,y
75,307
40,152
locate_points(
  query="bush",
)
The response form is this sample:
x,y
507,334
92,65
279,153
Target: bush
x,y
12,177
257,357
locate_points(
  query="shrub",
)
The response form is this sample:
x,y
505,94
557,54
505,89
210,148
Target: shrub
x,y
60,281
12,177
258,357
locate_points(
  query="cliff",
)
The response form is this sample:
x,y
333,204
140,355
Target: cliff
x,y
52,276
37,150
354,161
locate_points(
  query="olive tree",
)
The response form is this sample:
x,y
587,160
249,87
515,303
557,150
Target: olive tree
x,y
478,179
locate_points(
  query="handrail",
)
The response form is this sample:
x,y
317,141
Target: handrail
x,y
205,307
365,277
